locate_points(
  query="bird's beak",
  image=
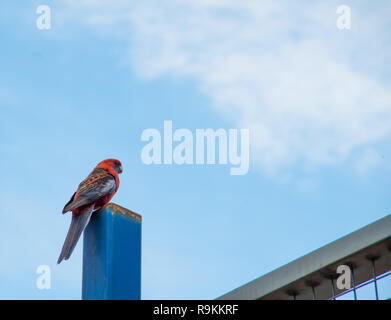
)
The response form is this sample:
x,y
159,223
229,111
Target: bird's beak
x,y
120,169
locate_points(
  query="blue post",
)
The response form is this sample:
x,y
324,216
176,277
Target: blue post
x,y
112,255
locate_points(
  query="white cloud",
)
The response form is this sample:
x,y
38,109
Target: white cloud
x,y
309,92
368,159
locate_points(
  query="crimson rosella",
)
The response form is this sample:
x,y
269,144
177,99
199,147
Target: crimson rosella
x,y
92,194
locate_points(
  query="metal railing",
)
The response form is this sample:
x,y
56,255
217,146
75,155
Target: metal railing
x,y
375,281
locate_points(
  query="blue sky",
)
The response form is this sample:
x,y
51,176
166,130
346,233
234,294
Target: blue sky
x,y
316,100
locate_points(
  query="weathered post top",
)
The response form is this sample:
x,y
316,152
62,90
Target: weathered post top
x,y
112,255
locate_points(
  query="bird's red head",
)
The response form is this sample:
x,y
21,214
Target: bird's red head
x,y
111,163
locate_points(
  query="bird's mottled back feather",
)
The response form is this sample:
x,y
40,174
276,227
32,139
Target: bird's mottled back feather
x,y
98,184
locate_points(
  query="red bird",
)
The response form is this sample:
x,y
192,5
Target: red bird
x,y
92,194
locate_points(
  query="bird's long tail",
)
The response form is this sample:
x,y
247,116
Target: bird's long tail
x,y
78,224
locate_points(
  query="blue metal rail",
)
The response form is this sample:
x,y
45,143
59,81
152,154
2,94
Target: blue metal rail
x,y
112,255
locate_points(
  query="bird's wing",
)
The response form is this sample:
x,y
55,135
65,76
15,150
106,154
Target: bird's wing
x,y
97,185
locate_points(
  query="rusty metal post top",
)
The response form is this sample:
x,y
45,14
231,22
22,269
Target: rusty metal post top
x,y
115,209
112,255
